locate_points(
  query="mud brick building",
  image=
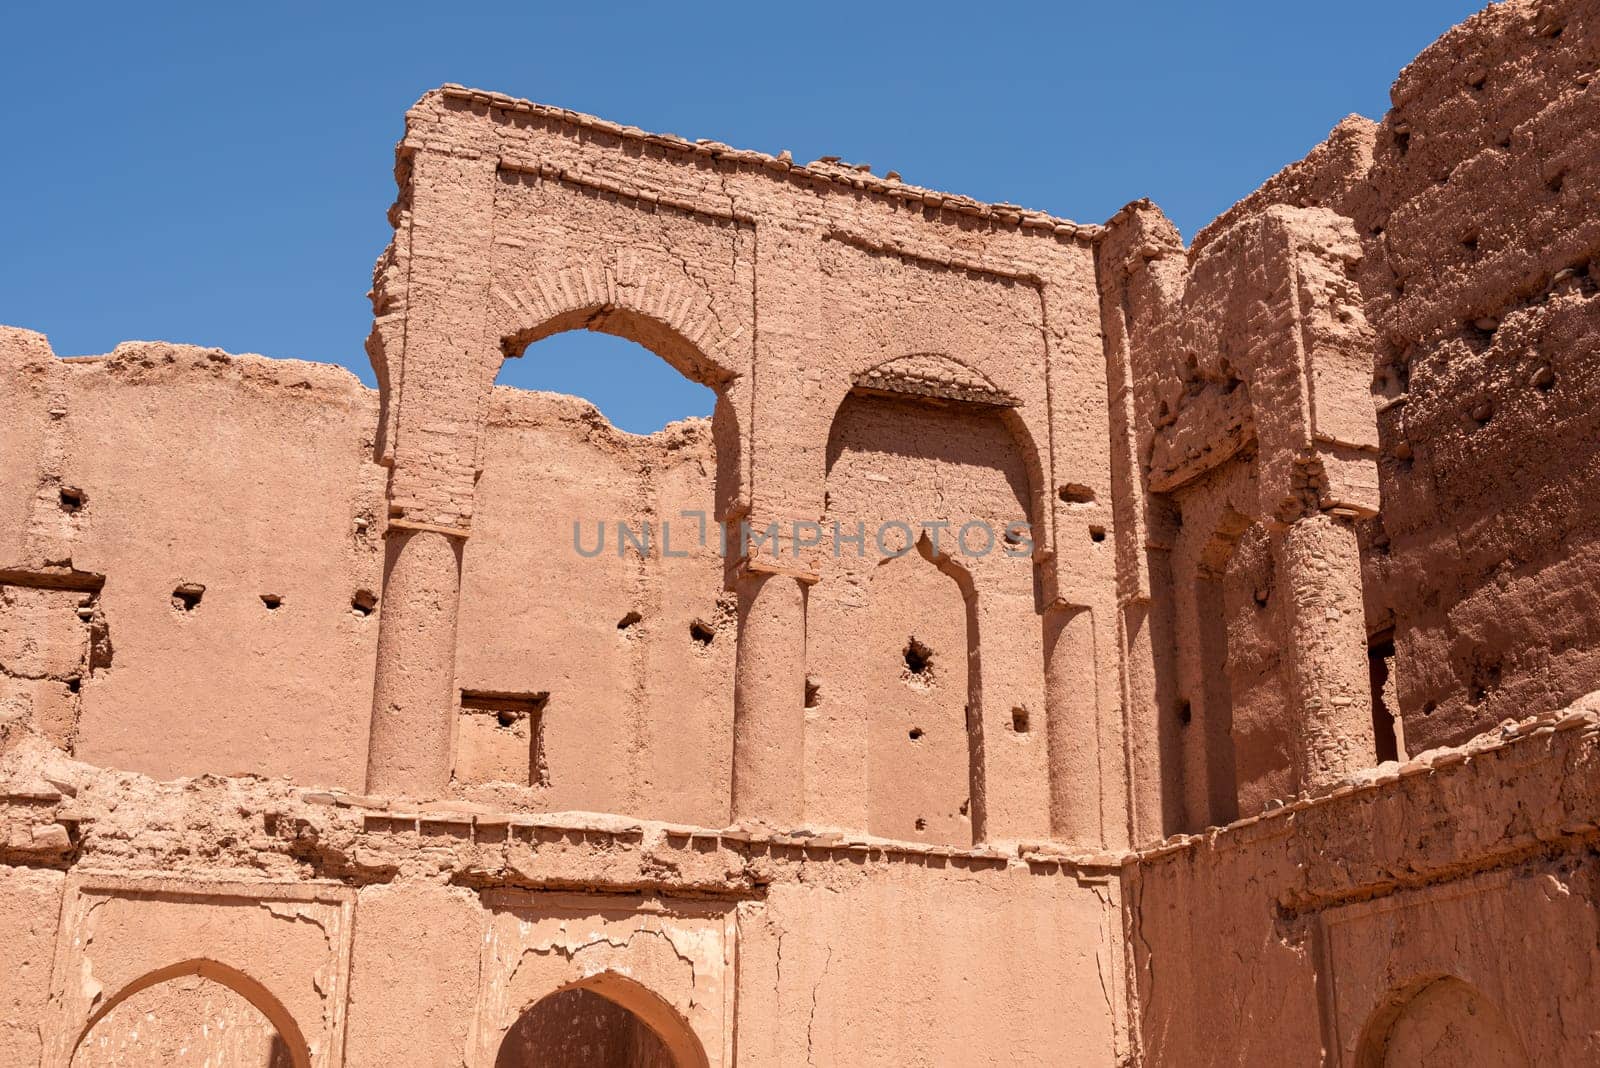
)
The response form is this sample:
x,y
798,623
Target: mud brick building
x,y
1261,737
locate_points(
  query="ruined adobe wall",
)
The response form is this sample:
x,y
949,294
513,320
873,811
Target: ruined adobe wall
x,y
1445,902
1426,281
243,479
797,293
1245,452
632,652
755,946
1301,936
1483,188
1474,202
235,479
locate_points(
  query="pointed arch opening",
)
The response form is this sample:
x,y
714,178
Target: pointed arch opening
x,y
604,1021
938,494
925,738
192,1013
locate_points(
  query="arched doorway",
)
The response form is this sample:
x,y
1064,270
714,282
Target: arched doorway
x,y
605,1022
192,1015
1439,1020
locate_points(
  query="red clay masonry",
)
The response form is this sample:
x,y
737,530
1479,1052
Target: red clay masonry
x,y
1257,735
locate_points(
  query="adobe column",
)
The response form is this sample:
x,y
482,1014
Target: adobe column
x,y
435,400
1320,563
1072,726
769,685
413,689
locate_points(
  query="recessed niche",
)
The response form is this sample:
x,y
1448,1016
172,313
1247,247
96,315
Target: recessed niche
x,y
363,602
1019,720
186,598
813,692
701,633
272,601
500,738
629,621
72,498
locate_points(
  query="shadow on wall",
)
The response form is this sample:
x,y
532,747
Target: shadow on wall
x,y
577,1027
191,1016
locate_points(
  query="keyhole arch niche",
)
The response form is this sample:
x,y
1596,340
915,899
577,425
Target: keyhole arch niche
x,y
924,639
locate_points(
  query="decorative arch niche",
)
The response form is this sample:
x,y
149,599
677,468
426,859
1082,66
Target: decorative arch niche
x,y
269,1031
1439,1019
604,1021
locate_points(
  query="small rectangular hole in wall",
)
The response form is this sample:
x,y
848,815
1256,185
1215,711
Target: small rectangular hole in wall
x,y
500,738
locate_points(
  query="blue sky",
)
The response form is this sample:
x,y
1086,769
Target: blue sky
x,y
219,174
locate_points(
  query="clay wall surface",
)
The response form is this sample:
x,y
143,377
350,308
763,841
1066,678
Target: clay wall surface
x,y
1328,917
1489,322
312,908
180,462
233,478
628,654
1474,199
1161,655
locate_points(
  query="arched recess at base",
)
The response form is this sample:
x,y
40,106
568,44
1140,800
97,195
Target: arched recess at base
x,y
604,1021
1439,1019
287,1049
